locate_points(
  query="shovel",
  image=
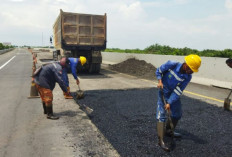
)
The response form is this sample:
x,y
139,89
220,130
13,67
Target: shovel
x,y
169,118
80,95
227,102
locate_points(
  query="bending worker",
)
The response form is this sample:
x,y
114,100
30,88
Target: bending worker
x,y
172,77
72,65
45,80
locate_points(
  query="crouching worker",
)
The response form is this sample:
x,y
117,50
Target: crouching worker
x,y
71,66
45,80
172,77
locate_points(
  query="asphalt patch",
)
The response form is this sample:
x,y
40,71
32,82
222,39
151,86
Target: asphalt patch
x,y
127,120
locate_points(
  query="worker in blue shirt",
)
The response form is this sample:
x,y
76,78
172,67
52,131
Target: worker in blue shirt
x,y
72,62
172,77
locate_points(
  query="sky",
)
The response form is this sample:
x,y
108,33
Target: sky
x,y
131,24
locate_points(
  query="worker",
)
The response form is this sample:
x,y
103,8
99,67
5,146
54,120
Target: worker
x,y
172,77
229,62
72,65
45,80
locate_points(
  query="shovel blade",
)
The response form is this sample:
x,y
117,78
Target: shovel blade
x,y
227,104
86,109
80,94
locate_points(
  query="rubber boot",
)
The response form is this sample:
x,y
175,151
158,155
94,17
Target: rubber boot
x,y
169,130
44,108
50,114
68,90
160,132
68,94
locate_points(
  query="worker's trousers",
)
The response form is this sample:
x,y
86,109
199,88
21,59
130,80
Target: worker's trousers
x,y
45,95
65,76
176,110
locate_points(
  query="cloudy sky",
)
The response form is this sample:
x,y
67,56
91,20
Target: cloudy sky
x,y
197,24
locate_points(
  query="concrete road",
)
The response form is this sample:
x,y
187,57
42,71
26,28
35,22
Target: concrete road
x,y
122,123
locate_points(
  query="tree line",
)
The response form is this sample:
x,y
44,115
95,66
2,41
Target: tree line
x,y
2,47
167,50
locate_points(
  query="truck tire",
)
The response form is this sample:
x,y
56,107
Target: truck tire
x,y
91,68
94,68
58,57
55,56
97,67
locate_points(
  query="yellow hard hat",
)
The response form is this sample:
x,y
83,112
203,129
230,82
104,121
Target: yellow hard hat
x,y
193,61
83,60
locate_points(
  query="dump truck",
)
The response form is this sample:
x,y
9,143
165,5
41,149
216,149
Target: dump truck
x,y
77,34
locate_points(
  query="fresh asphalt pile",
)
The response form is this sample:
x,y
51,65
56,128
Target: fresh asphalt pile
x,y
135,67
127,120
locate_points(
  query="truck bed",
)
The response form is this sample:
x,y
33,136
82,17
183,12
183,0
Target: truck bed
x,y
79,30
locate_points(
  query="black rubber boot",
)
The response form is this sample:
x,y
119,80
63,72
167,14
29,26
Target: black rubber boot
x,y
50,113
160,132
169,131
44,108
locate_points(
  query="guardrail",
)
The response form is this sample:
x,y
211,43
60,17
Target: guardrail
x,y
213,70
5,50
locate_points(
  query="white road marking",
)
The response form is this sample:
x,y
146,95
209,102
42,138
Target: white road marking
x,y
6,63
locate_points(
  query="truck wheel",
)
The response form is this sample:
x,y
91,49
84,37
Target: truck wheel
x,y
58,57
91,68
55,56
94,68
97,67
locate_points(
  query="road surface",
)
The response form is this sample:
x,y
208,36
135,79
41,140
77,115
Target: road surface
x,y
122,123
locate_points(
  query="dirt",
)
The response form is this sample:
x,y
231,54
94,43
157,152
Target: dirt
x,y
135,67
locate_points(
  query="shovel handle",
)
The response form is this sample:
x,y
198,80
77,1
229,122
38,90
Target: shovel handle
x,y
229,94
168,112
162,93
79,87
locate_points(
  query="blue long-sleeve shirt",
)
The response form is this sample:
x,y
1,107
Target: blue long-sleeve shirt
x,y
73,66
49,75
173,80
